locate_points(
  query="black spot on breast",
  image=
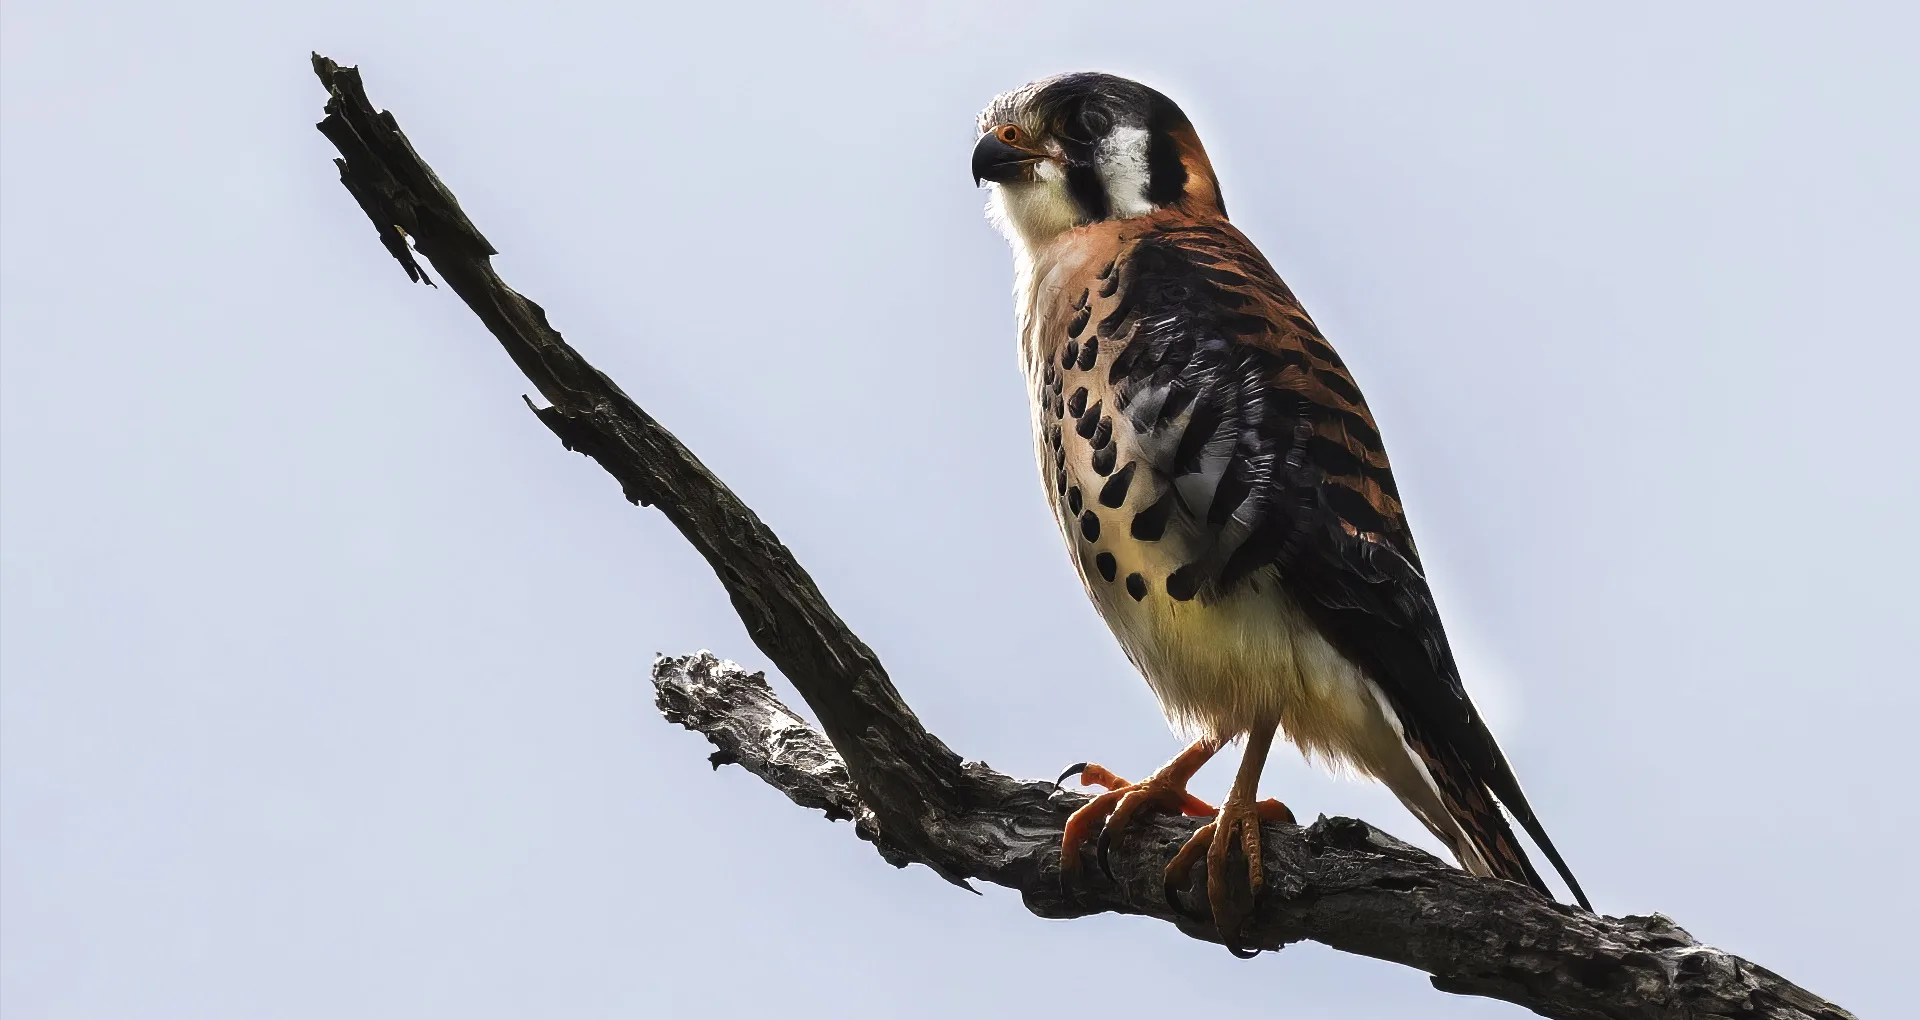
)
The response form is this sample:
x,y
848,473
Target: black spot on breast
x,y
1106,565
1089,353
1103,459
1078,322
1068,356
1060,479
1077,404
1182,583
1090,526
1081,301
1103,434
1112,284
1150,524
1059,407
1048,375
1114,492
1053,436
1136,586
1106,272
1073,499
1090,421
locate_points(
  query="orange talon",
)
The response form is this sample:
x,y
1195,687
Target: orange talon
x,y
1194,807
1109,812
1235,824
1180,869
1271,810
1179,874
1190,805
1231,905
1082,824
1098,775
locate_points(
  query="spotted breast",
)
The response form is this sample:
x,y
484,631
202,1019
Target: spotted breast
x,y
1195,432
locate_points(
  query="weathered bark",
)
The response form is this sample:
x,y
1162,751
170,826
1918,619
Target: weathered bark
x,y
1338,881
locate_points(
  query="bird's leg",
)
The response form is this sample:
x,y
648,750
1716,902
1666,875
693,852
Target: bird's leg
x,y
1239,816
1165,790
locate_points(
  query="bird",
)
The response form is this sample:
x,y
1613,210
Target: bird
x,y
1225,497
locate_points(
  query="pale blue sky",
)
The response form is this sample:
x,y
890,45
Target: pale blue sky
x,y
325,667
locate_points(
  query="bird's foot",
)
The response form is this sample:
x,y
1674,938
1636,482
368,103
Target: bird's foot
x,y
1109,813
1231,903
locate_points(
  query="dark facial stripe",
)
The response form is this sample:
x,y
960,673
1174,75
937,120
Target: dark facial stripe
x,y
1087,190
1166,175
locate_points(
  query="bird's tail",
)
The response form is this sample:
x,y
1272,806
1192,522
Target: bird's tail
x,y
1507,787
1483,840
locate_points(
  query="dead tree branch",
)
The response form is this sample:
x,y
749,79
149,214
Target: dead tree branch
x,y
1338,881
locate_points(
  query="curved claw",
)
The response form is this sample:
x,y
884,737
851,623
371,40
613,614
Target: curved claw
x,y
1232,838
1100,850
1179,873
1072,770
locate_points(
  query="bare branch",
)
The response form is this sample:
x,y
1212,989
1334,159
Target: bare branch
x,y
1338,881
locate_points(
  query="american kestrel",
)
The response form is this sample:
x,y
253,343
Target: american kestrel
x,y
1223,492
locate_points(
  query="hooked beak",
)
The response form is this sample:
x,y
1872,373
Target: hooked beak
x,y
996,161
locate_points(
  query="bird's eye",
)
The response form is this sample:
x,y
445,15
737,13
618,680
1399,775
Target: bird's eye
x,y
1010,134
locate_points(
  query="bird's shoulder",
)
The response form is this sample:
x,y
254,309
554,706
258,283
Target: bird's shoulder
x,y
1232,392
1235,397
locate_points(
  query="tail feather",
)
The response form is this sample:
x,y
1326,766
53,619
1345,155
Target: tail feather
x,y
1507,787
1484,842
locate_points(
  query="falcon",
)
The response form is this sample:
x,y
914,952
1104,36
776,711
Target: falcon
x,y
1224,494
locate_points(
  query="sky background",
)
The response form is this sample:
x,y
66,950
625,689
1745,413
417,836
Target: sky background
x,y
325,668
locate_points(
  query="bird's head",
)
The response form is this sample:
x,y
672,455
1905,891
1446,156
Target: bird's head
x,y
1079,148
